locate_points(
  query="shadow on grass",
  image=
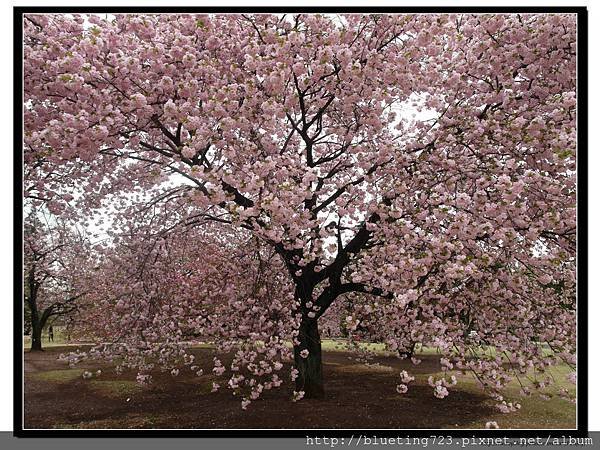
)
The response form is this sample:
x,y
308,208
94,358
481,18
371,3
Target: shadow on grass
x,y
357,396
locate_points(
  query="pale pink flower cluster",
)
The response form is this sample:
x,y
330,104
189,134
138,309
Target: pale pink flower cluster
x,y
297,396
402,389
440,391
509,407
440,386
218,369
294,374
143,378
405,377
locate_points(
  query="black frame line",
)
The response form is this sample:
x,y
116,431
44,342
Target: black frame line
x,y
582,228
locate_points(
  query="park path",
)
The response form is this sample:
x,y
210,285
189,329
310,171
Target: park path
x,y
40,363
30,367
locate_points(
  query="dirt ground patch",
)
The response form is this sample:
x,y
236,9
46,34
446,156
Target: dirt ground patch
x,y
357,396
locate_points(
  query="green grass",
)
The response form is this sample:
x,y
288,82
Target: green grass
x,y
116,388
375,347
60,338
535,412
336,345
205,387
60,335
203,346
380,348
57,376
363,368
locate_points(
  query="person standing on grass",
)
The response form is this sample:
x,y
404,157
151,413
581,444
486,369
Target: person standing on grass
x,y
50,334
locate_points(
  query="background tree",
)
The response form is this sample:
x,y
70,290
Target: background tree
x,y
27,320
54,261
158,293
422,164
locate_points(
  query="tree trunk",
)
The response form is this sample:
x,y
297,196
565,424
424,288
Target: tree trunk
x,y
37,325
310,376
36,336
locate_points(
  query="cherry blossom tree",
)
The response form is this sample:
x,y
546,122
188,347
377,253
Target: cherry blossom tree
x,y
415,173
160,293
55,271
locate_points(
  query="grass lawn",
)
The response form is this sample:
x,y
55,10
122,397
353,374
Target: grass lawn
x,y
535,412
357,396
60,338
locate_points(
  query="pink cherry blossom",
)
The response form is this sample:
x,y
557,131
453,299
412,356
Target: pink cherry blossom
x,y
264,180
